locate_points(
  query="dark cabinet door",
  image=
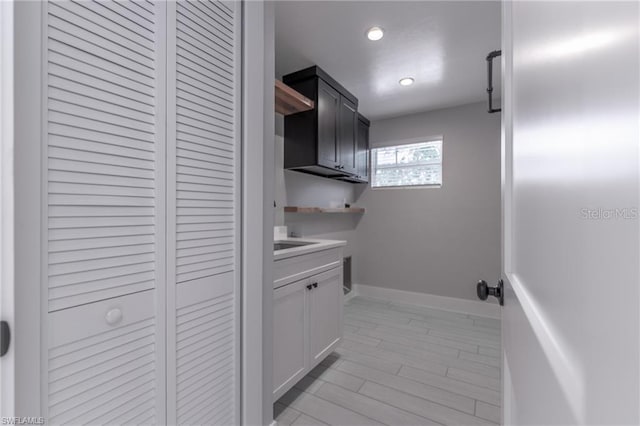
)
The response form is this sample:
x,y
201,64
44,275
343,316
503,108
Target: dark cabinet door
x,y
362,152
328,106
347,135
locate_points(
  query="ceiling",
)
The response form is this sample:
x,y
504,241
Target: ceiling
x,y
442,44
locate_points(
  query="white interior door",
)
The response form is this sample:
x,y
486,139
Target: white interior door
x,y
129,165
203,211
570,194
103,212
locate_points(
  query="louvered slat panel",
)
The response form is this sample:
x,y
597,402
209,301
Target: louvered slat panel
x,y
205,366
214,124
101,67
99,371
205,360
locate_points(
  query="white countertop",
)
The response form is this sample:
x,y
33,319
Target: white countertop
x,y
317,245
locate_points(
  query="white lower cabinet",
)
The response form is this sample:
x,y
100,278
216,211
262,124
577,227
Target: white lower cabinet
x,y
325,315
307,326
290,318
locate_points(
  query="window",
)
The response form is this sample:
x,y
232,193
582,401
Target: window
x,y
415,164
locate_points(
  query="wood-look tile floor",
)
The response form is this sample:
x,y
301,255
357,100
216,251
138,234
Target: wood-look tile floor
x,y
402,365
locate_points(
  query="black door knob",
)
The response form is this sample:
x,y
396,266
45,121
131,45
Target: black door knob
x,y
484,291
309,287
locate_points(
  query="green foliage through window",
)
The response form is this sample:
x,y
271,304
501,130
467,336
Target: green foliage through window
x,y
416,164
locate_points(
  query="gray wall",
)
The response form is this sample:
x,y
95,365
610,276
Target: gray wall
x,y
304,190
436,240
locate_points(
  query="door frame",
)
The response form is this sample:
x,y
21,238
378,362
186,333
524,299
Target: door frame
x,y
28,220
7,378
257,292
506,189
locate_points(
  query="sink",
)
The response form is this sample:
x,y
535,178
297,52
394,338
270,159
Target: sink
x,y
283,245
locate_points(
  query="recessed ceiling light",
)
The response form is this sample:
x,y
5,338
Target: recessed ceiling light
x,y
375,33
407,81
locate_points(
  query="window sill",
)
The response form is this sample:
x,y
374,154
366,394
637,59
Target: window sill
x,y
376,188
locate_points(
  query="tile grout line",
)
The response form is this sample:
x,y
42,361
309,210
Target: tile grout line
x,y
346,408
433,358
335,384
420,383
414,396
448,390
467,334
394,406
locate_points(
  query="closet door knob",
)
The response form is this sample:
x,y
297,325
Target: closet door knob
x,y
309,287
315,285
484,291
5,337
114,316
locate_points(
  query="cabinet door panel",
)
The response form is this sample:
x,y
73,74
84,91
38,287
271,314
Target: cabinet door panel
x,y
347,136
290,359
325,314
328,113
362,152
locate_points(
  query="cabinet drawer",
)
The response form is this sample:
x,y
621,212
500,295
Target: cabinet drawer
x,y
298,267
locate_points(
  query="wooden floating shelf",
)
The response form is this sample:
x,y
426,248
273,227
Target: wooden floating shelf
x,y
289,101
291,209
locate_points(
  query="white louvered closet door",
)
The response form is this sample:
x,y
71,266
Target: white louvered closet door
x,y
203,137
104,212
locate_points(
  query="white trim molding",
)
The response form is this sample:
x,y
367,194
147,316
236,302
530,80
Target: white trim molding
x,y
349,295
473,307
7,384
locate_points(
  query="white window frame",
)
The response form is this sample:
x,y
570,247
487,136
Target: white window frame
x,y
413,141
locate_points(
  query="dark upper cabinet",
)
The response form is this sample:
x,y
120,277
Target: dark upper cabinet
x,y
328,116
362,149
322,141
348,135
362,164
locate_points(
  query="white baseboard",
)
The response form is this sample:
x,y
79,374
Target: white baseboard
x,y
349,295
474,307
